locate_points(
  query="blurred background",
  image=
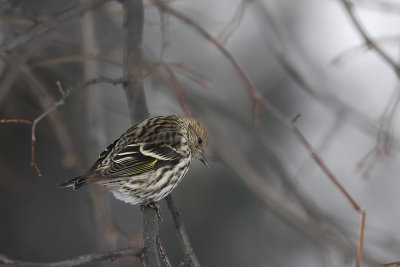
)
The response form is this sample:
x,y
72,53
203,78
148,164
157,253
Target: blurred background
x,y
263,201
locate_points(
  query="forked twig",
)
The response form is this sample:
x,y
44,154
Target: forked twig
x,y
36,121
64,94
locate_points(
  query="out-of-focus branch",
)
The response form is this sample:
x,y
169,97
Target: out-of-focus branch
x,y
234,23
50,24
132,60
351,52
178,89
384,136
282,205
64,94
133,22
258,99
368,40
36,121
80,260
46,102
95,135
148,66
397,263
182,235
386,6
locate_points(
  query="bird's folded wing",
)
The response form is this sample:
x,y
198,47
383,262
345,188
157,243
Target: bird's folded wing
x,y
136,159
160,152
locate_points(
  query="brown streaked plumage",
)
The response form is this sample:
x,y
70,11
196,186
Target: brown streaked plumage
x,y
149,160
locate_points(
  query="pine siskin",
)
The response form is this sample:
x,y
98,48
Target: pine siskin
x,y
149,160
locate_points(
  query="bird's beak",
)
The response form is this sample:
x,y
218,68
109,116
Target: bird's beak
x,y
203,159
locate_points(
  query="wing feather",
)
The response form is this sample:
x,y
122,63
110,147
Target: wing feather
x,y
161,152
134,160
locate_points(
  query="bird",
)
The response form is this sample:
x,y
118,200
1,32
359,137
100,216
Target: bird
x,y
149,160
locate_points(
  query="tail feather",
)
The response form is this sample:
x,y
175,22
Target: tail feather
x,y
75,183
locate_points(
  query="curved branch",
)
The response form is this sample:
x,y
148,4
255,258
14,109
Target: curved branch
x,y
182,235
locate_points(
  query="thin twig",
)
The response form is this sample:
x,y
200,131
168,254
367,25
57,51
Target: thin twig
x,y
163,252
53,22
384,136
178,89
190,74
368,40
36,121
351,52
64,94
234,23
397,263
182,235
16,121
34,124
149,66
80,260
360,239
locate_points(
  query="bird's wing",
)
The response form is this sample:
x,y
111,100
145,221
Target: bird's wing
x,y
136,159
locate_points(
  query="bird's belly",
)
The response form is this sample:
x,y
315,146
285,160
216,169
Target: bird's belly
x,y
125,196
152,186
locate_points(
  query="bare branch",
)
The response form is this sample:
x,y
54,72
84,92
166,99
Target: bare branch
x,y
132,59
150,233
16,121
360,239
368,40
383,136
397,263
182,235
386,6
347,54
50,24
60,102
191,74
257,97
163,253
178,89
80,260
234,23
138,110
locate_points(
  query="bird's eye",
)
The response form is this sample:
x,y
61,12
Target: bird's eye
x,y
200,141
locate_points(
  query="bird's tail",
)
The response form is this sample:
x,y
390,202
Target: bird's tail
x,y
75,183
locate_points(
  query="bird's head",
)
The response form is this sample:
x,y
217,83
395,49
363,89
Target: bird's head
x,y
197,139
